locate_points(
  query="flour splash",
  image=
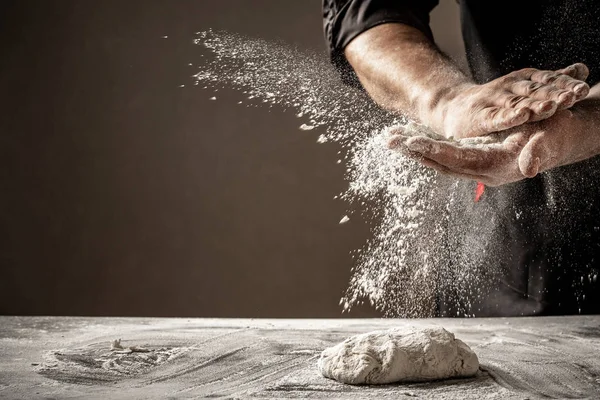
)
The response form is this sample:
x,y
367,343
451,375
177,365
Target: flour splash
x,y
396,270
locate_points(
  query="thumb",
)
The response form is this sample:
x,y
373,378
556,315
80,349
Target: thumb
x,y
530,158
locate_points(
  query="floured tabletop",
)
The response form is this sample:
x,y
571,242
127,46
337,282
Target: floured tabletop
x,y
67,357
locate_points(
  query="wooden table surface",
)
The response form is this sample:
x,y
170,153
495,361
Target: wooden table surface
x,y
71,357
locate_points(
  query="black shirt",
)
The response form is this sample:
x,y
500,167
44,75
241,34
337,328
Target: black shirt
x,y
543,233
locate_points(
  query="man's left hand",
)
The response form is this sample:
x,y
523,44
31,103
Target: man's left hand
x,y
512,155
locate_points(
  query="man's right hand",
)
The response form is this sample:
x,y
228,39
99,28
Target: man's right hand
x,y
403,71
522,96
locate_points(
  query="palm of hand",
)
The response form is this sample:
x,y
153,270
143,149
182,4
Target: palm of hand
x,y
498,158
493,161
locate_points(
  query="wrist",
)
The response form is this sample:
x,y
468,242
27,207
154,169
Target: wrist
x,y
439,109
588,123
582,133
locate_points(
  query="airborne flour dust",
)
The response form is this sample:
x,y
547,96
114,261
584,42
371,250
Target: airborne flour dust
x,y
397,269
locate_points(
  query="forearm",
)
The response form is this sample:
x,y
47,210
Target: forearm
x,y
403,70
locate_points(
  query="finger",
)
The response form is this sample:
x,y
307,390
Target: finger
x,y
398,142
466,160
445,170
539,109
578,71
494,119
543,110
543,94
565,82
543,76
561,81
396,130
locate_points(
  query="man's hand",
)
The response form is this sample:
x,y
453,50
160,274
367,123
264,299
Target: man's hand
x,y
522,96
492,160
403,71
569,136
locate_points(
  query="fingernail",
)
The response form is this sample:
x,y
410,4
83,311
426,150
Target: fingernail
x,y
566,97
535,167
547,106
521,112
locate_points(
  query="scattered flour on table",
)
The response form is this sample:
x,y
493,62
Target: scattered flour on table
x,y
404,203
398,355
101,362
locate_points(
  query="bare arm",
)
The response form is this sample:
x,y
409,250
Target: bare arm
x,y
404,71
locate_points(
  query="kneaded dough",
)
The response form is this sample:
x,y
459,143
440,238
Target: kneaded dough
x,y
398,355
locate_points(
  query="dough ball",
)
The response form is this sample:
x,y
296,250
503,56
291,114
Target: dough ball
x,y
398,355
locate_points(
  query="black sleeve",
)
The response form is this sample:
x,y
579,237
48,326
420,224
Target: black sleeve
x,y
343,20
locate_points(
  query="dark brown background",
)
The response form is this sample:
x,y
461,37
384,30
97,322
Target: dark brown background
x,y
124,194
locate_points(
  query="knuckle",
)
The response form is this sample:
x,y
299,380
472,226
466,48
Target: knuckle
x,y
572,84
491,113
564,80
543,91
564,94
477,109
550,77
507,79
512,101
534,87
526,103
